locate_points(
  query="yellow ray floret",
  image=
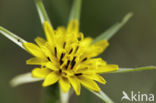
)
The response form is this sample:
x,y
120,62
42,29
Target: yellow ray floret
x,y
68,58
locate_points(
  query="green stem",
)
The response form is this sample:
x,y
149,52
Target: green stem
x,y
51,94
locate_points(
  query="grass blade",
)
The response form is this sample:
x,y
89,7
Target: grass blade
x,y
16,39
102,96
113,29
125,70
76,10
42,12
23,79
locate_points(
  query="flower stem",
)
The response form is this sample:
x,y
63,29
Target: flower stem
x,y
64,97
50,94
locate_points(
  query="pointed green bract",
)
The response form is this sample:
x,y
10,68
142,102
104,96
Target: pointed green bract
x,y
102,96
75,11
42,12
126,70
113,29
16,39
23,79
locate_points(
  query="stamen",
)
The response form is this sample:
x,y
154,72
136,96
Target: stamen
x,y
55,50
62,55
48,58
78,74
73,62
67,64
64,44
84,59
43,66
70,50
74,58
61,61
60,70
76,49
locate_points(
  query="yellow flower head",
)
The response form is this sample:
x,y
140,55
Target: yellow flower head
x,y
68,58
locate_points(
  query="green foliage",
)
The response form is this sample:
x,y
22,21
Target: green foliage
x,y
113,29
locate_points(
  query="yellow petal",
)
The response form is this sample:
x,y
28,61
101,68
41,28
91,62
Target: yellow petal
x,y
40,41
95,77
34,50
64,84
51,66
106,68
52,78
96,48
100,46
35,61
75,84
48,54
61,30
40,73
86,42
90,65
73,26
49,32
88,83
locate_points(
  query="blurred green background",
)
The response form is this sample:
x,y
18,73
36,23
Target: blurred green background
x,y
132,46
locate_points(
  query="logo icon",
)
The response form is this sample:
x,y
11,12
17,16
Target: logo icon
x,y
137,97
125,96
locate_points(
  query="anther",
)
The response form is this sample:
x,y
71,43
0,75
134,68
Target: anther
x,y
76,49
60,70
61,62
62,55
68,62
48,58
70,50
73,62
78,74
55,50
64,44
84,59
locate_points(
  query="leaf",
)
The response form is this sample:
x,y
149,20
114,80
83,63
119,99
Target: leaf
x,y
23,79
42,12
102,96
125,70
113,29
16,39
76,10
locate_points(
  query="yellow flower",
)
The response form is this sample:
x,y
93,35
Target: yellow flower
x,y
68,58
